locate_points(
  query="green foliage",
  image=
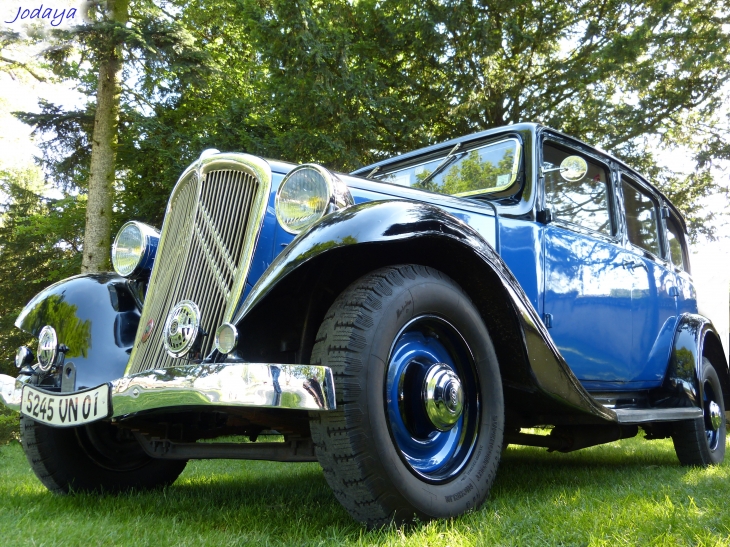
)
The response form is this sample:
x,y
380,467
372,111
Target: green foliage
x,y
40,242
347,83
9,425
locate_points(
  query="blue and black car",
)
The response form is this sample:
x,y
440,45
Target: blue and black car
x,y
400,325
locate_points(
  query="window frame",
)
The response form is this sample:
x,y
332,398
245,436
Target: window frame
x,y
643,188
589,155
682,242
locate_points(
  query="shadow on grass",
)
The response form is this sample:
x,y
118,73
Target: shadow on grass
x,y
286,502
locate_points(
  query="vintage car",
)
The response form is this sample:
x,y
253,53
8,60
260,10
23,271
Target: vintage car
x,y
400,325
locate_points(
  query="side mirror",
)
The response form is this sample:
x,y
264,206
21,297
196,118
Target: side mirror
x,y
573,168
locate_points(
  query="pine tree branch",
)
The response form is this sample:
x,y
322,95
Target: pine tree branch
x,y
24,66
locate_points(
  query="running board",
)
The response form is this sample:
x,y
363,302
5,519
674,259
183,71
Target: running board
x,y
645,415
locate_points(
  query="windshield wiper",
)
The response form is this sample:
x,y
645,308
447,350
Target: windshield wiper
x,y
440,167
370,175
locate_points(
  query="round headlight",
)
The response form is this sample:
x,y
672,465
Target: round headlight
x,y
47,348
23,356
226,337
134,249
308,193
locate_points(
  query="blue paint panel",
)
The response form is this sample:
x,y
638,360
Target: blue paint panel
x,y
520,245
588,293
654,316
687,295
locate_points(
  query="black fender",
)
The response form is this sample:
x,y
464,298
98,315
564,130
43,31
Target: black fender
x,y
96,316
695,337
286,306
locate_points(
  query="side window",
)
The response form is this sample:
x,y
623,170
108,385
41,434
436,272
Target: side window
x,y
676,243
583,202
641,218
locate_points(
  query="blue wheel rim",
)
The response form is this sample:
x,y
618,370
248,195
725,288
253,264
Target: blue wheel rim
x,y
429,453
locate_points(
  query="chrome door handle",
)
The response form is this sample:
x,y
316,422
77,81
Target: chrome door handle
x,y
632,264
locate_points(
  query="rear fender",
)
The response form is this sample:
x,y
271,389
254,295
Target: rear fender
x,y
96,316
695,337
286,306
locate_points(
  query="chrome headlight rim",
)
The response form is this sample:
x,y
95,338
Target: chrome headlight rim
x,y
47,348
149,237
338,196
226,344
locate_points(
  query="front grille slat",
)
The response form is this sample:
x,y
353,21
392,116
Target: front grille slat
x,y
202,253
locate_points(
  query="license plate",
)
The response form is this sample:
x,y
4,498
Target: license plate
x,y
66,409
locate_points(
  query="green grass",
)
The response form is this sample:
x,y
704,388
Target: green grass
x,y
631,492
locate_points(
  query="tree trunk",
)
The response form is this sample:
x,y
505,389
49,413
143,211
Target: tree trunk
x,y
97,234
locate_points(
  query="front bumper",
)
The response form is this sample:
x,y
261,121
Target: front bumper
x,y
229,384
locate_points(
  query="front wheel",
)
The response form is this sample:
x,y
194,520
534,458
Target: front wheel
x,y
94,458
420,413
701,442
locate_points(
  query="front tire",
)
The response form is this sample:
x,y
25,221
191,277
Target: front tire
x,y
93,458
701,442
420,414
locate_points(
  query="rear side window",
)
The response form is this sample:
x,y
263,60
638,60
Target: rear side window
x,y
641,218
583,202
676,240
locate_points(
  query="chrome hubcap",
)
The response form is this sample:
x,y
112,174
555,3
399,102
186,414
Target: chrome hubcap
x,y
443,397
715,416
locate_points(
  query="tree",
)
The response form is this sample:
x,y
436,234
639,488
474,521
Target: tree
x,y
97,234
352,82
347,83
131,57
40,243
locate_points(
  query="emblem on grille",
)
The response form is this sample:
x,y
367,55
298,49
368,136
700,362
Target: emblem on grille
x,y
181,328
148,330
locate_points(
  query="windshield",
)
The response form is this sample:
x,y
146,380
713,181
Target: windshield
x,y
487,169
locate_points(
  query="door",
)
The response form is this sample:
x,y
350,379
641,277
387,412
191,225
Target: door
x,y
654,292
588,283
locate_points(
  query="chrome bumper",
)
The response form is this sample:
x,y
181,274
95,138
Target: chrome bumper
x,y
257,385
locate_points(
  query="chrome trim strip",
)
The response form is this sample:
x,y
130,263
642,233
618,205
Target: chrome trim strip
x,y
641,416
259,385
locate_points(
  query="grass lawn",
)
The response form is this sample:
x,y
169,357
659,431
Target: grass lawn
x,y
632,492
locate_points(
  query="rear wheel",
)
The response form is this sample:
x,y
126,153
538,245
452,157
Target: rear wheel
x,y
420,413
701,442
96,457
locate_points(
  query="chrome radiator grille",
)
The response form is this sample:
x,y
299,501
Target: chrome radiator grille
x,y
203,256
